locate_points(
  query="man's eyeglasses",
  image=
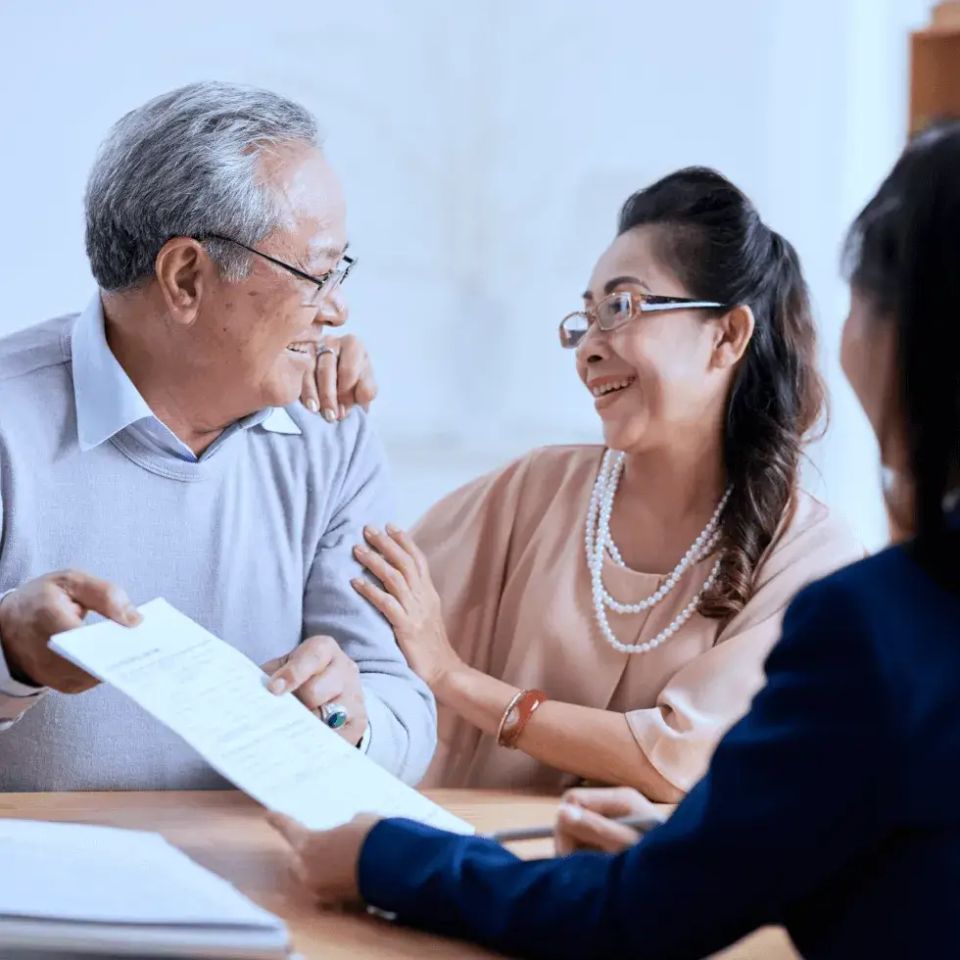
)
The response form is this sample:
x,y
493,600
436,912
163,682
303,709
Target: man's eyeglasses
x,y
620,308
323,286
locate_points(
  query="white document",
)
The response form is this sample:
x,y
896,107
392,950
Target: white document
x,y
70,871
73,888
271,747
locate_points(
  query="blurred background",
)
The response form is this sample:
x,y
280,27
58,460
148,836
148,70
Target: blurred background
x,y
486,148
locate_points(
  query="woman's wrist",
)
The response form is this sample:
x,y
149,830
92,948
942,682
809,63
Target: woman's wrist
x,y
452,683
476,696
516,716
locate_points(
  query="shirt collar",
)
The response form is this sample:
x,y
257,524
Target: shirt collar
x,y
107,400
277,420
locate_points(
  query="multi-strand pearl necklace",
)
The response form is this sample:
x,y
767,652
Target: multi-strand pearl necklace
x,y
599,541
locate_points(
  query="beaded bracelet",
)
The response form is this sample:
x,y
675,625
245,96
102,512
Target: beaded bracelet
x,y
517,715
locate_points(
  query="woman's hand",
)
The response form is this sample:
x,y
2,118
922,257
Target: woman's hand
x,y
587,816
409,601
325,861
342,379
319,673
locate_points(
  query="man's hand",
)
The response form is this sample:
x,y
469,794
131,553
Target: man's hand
x,y
342,379
33,613
318,672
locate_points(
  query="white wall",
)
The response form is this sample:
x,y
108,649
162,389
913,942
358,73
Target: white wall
x,y
485,148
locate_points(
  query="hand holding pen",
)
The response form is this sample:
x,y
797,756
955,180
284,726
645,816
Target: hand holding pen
x,y
606,818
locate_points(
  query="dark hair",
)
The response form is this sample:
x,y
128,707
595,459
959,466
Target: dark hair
x,y
711,236
903,255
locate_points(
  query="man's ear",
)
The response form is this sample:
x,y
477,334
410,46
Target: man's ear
x,y
734,330
183,270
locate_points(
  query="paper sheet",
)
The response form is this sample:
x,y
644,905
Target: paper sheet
x,y
272,748
67,871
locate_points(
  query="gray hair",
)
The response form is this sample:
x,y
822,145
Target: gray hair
x,y
187,164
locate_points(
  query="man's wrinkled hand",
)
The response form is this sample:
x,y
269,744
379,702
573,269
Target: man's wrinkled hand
x,y
319,673
51,604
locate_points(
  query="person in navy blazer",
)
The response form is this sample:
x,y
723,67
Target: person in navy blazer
x,y
833,807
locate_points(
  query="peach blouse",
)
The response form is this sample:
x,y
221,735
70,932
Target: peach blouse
x,y
506,553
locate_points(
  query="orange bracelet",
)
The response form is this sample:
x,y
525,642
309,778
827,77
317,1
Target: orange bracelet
x,y
517,715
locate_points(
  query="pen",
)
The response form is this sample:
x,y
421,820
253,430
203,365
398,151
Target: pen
x,y
640,824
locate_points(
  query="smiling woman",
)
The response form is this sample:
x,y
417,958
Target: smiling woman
x,y
604,613
831,807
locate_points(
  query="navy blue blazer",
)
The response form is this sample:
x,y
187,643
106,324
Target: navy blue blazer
x,y
832,808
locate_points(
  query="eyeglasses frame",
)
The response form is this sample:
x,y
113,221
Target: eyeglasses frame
x,y
649,303
321,282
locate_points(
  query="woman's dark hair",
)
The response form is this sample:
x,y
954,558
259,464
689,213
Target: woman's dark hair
x,y
903,255
710,235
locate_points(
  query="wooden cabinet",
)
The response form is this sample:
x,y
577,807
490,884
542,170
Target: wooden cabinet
x,y
935,68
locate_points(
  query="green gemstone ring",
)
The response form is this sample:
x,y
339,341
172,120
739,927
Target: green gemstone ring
x,y
334,715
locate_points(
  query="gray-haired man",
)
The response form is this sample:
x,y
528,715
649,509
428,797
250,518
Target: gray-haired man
x,y
149,441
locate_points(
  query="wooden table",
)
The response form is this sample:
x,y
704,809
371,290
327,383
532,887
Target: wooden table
x,y
226,832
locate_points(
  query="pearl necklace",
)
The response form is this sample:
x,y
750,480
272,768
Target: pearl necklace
x,y
599,541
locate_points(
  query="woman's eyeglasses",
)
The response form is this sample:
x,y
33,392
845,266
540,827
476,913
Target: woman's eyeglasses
x,y
620,308
323,286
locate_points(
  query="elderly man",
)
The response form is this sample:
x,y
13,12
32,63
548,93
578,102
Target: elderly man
x,y
152,446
